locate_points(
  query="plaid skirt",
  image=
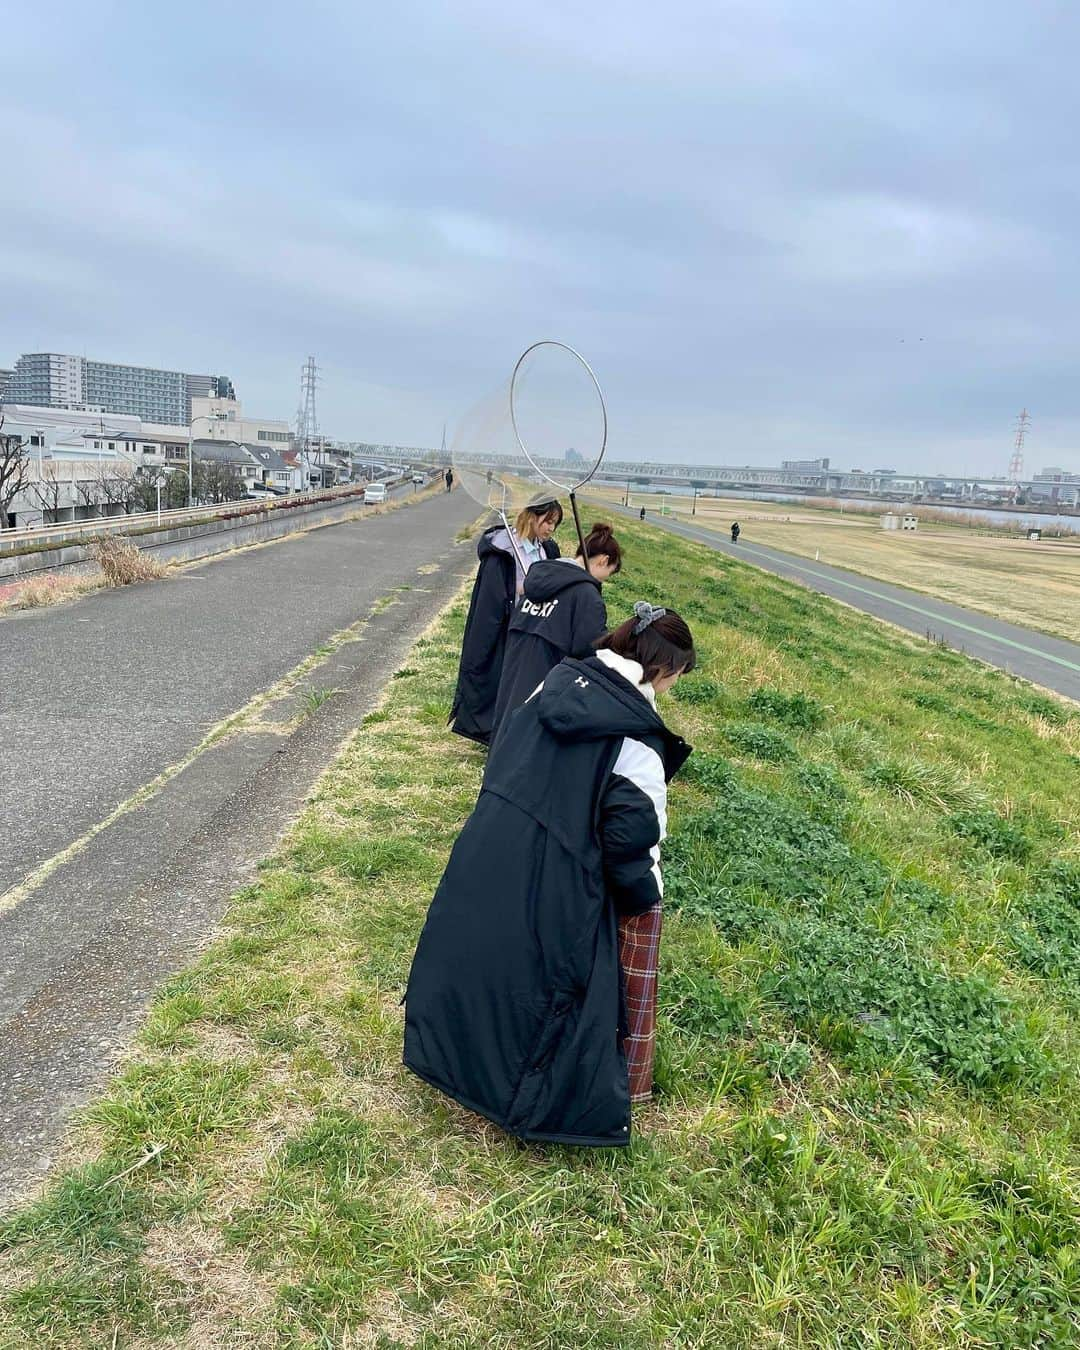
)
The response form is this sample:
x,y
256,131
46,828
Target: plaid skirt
x,y
639,952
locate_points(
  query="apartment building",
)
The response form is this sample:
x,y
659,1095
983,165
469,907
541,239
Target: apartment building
x,y
77,383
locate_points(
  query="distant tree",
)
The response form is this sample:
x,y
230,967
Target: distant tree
x,y
219,482
88,492
14,471
47,491
146,491
116,485
174,494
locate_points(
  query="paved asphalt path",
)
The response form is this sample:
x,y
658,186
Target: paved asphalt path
x,y
1047,661
99,696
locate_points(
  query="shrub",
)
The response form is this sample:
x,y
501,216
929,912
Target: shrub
x,y
696,1002
1063,877
798,711
821,781
998,836
912,780
708,770
1047,936
698,689
754,738
1049,709
123,563
903,1006
852,744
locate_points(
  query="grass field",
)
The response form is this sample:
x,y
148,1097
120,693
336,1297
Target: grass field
x,y
1034,584
865,1131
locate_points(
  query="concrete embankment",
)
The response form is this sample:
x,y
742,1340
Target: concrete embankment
x,y
186,542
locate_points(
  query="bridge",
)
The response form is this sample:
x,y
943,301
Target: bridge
x,y
821,481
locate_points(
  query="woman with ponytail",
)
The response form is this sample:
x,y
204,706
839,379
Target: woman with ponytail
x,y
559,613
532,995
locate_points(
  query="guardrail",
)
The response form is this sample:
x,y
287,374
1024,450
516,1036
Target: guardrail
x,y
55,535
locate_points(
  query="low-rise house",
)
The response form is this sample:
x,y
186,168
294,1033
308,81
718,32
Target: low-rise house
x,y
277,474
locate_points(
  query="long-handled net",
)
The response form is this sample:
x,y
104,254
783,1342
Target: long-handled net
x,y
545,429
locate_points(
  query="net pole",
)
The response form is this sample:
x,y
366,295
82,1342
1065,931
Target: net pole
x,y
580,531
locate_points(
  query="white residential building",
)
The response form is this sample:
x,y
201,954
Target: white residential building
x,y
222,419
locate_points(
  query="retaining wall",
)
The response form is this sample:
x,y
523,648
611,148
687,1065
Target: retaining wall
x,y
184,543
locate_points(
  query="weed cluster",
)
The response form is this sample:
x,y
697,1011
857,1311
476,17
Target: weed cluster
x,y
123,562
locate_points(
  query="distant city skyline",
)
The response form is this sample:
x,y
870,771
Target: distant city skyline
x,y
777,232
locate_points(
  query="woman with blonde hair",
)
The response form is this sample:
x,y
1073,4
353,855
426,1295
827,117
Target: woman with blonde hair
x,y
505,558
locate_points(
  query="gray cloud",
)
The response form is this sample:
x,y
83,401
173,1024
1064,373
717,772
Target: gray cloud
x,y
774,230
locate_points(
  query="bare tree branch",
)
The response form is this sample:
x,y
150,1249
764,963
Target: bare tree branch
x,y
14,471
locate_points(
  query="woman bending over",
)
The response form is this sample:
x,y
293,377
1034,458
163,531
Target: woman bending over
x,y
532,995
559,613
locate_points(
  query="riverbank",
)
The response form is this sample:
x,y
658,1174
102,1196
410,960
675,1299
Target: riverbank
x,y
865,1122
1034,584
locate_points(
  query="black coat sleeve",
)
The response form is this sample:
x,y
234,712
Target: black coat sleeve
x,y
489,614
633,820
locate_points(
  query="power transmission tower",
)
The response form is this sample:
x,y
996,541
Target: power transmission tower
x,y
1016,464
307,420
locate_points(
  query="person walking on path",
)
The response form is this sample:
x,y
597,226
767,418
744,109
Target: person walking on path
x,y
642,513
505,557
448,476
735,532
559,613
532,994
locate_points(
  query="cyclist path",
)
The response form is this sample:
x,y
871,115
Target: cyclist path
x,y
1048,661
127,824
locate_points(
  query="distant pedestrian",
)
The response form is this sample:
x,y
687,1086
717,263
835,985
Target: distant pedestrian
x,y
735,532
641,514
489,477
449,476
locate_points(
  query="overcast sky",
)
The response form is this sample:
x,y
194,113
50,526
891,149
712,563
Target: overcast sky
x,y
776,229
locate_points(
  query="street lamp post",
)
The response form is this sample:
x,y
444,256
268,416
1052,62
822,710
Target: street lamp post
x,y
202,417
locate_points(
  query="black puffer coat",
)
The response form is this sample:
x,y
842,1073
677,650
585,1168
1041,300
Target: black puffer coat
x,y
560,613
514,1003
493,595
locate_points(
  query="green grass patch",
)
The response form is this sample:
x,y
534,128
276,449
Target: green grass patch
x,y
865,1126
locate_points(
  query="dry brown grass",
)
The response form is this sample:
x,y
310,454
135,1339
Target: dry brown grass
x,y
50,589
123,563
1036,585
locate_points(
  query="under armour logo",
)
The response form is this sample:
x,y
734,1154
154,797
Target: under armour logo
x,y
582,681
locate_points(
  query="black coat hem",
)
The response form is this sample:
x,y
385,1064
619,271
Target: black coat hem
x,y
530,1136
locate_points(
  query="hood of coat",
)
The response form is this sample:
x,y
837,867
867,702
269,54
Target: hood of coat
x,y
549,578
585,701
494,540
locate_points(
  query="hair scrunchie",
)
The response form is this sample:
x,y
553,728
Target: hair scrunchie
x,y
646,614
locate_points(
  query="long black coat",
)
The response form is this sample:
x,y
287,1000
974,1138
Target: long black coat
x,y
514,1004
493,595
560,613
